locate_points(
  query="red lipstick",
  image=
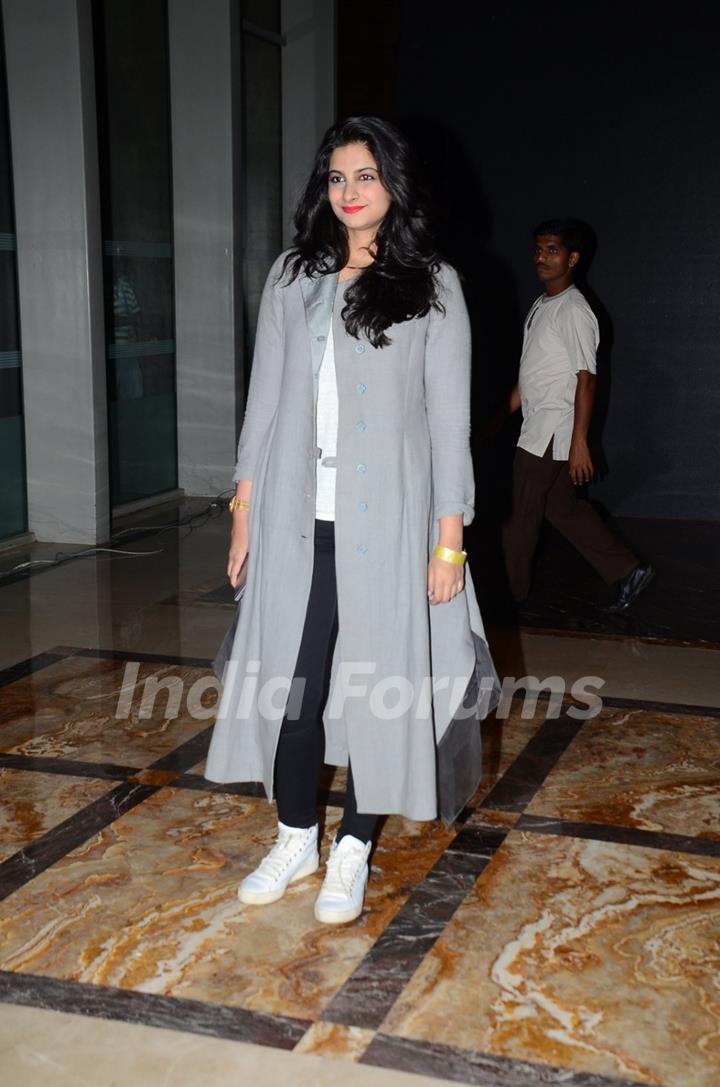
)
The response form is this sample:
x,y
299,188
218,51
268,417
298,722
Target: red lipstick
x,y
350,210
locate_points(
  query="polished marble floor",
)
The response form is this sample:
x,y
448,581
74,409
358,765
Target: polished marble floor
x,y
565,931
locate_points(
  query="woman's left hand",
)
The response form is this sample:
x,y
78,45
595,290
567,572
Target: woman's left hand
x,y
445,580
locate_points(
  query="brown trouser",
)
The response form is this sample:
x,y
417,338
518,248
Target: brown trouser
x,y
542,487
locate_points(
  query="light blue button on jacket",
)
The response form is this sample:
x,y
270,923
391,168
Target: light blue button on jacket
x,y
403,461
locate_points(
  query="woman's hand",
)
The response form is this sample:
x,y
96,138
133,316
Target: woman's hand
x,y
238,547
239,535
445,580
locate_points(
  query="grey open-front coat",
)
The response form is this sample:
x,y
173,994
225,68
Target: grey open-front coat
x,y
402,669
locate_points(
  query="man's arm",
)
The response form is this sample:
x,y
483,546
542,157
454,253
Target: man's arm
x,y
508,406
580,462
513,402
578,329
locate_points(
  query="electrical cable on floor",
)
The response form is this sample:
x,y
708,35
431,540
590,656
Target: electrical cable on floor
x,y
194,521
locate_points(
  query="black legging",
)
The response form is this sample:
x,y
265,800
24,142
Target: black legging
x,y
302,741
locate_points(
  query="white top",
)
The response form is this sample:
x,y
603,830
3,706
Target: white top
x,y
561,338
327,428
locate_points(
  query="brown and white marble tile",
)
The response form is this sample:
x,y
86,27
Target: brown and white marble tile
x,y
579,954
32,803
638,768
150,903
74,709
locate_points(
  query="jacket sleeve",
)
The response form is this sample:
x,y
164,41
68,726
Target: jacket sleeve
x,y
265,378
447,401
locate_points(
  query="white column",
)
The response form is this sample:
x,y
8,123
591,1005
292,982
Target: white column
x,y
309,95
204,72
51,91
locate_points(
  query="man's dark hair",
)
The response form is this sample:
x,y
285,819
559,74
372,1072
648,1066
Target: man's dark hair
x,y
571,232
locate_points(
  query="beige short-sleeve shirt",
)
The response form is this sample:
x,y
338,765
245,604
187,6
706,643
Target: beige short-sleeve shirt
x,y
561,338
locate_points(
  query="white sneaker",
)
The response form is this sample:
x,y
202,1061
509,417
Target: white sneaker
x,y
342,894
294,856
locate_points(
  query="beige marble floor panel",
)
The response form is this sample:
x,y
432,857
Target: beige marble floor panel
x,y
112,601
639,768
151,904
182,631
582,954
70,710
39,1048
178,631
630,668
32,803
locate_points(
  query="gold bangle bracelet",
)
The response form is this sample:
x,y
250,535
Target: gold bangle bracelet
x,y
236,503
448,555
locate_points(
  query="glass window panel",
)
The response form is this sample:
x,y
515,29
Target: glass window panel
x,y
13,495
131,51
263,171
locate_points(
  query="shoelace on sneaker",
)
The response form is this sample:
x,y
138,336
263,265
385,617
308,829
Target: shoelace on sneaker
x,y
343,869
282,854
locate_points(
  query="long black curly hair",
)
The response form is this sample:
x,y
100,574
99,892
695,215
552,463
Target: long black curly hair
x,y
400,283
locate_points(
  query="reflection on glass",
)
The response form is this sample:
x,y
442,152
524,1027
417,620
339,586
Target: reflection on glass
x,y
135,171
141,371
263,171
264,14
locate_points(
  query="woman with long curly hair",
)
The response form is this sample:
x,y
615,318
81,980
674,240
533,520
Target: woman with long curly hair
x,y
358,640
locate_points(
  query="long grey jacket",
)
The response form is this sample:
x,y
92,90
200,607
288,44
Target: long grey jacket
x,y
402,669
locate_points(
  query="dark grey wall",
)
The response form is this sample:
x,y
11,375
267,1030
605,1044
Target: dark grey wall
x,y
607,113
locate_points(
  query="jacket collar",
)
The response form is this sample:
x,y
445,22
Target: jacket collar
x,y
318,298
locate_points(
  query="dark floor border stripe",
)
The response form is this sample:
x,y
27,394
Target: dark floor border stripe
x,y
615,701
150,1010
28,667
605,832
56,843
198,783
522,779
46,764
187,754
375,984
142,658
193,752
681,708
467,1066
327,798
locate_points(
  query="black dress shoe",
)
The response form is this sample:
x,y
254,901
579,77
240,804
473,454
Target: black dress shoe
x,y
631,586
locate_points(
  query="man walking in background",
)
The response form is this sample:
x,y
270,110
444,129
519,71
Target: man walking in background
x,y
556,391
